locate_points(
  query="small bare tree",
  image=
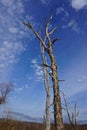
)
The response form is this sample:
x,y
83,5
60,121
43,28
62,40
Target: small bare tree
x,y
48,47
75,114
4,91
72,118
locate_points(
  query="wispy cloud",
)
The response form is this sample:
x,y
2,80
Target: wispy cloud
x,y
65,17
63,12
38,69
8,53
73,25
45,2
78,4
10,33
22,88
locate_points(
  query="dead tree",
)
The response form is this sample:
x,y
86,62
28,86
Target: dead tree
x,y
72,119
47,88
48,46
4,90
75,114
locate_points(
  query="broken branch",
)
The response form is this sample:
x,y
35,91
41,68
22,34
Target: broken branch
x,y
56,39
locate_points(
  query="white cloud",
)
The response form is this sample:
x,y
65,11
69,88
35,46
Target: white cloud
x,y
73,25
62,11
45,2
13,6
78,4
34,61
7,2
82,79
38,69
13,29
18,90
10,37
9,51
22,88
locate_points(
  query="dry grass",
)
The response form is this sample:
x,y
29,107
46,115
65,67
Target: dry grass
x,y
17,125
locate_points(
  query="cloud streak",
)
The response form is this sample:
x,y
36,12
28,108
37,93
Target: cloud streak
x,y
38,70
62,11
65,17
45,2
10,45
73,25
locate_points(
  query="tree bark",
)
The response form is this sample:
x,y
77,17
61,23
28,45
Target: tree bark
x,y
57,100
48,111
47,88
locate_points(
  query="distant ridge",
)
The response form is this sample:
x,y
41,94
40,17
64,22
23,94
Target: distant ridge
x,y
27,118
20,117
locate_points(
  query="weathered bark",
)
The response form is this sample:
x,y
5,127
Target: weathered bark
x,y
47,88
57,100
48,111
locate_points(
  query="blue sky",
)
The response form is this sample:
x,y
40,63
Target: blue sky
x,y
20,53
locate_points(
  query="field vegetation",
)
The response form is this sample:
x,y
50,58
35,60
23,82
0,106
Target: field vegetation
x,y
18,125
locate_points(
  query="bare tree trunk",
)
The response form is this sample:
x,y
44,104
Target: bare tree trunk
x,y
47,88
48,111
57,100
76,113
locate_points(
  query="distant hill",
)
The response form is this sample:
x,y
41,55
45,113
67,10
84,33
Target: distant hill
x,y
26,118
20,117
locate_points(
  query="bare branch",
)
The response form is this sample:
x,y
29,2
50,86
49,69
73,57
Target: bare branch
x,y
46,65
51,104
27,24
52,31
36,34
61,80
47,33
67,109
54,40
64,108
49,20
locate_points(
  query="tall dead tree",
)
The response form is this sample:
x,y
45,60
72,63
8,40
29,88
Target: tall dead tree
x,y
48,46
47,88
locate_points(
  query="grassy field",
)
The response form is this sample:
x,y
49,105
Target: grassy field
x,y
17,125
